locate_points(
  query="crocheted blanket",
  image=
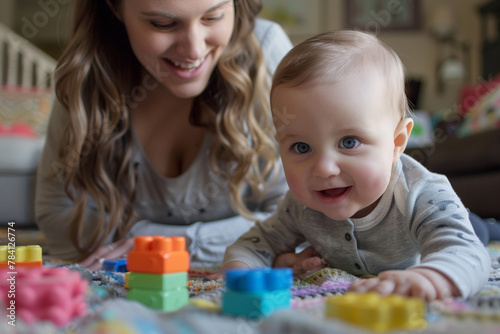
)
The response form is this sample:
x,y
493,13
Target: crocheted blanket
x,y
110,312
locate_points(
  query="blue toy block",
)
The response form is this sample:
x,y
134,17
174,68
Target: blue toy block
x,y
255,304
117,265
260,279
258,292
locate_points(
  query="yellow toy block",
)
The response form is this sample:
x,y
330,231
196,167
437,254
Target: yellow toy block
x,y
378,313
22,256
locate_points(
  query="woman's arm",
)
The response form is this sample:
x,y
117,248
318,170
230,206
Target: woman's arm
x,y
53,207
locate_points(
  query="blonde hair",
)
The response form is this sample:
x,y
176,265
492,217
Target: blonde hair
x,y
333,56
97,72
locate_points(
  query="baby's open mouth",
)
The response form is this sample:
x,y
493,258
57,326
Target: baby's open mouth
x,y
333,192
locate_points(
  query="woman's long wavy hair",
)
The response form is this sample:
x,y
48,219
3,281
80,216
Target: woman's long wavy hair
x,y
96,73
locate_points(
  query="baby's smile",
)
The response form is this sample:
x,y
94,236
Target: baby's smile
x,y
333,195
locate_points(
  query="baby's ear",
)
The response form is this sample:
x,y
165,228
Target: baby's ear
x,y
401,136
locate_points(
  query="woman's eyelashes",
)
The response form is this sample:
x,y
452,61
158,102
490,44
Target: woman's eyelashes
x,y
163,26
170,25
215,18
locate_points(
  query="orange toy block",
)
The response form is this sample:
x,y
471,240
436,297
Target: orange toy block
x,y
20,256
158,255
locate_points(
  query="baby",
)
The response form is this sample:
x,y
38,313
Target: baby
x,y
342,124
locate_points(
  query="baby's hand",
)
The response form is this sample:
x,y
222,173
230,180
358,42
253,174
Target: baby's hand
x,y
219,276
423,283
303,263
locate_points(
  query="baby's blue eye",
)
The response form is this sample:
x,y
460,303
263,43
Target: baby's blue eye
x,y
349,142
301,148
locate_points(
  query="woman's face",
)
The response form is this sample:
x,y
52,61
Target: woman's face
x,y
179,42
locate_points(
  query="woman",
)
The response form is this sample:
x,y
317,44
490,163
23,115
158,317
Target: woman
x,y
161,127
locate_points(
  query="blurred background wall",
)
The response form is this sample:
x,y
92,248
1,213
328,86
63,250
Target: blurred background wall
x,y
427,34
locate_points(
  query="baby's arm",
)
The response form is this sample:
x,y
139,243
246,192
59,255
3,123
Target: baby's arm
x,y
276,235
303,263
425,283
218,276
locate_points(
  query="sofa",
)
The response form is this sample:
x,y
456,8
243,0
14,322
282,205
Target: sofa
x,y
465,146
23,121
472,164
17,179
26,97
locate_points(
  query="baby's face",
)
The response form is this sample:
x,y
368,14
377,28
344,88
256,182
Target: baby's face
x,y
336,143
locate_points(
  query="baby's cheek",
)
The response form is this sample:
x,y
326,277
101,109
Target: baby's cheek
x,y
292,181
295,184
376,177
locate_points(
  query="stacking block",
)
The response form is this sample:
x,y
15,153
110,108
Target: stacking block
x,y
157,281
158,255
255,304
118,265
22,256
127,275
261,279
52,294
256,293
157,274
378,313
167,301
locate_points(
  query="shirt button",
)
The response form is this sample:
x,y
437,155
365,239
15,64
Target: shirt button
x,y
348,237
357,265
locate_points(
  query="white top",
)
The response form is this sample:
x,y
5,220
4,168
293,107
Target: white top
x,y
195,204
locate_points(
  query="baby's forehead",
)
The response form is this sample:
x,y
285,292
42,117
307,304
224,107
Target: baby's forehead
x,y
293,103
281,94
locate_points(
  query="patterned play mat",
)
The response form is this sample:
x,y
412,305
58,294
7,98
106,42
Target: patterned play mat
x,y
109,312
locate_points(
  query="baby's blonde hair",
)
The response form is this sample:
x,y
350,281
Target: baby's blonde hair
x,y
336,55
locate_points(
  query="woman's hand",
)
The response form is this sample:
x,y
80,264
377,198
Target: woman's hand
x,y
111,251
303,263
423,283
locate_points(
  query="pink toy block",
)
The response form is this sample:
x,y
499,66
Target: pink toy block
x,y
52,294
158,255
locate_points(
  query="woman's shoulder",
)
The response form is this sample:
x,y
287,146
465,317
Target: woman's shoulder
x,y
274,42
264,27
59,115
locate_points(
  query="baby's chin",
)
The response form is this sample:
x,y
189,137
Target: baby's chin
x,y
345,212
336,214
338,217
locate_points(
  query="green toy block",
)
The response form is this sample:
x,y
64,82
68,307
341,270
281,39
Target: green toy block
x,y
164,282
167,301
255,304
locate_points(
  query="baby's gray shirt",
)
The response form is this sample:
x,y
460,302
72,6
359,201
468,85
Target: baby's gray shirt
x,y
419,222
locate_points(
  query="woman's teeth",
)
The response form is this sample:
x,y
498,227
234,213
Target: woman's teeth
x,y
188,66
